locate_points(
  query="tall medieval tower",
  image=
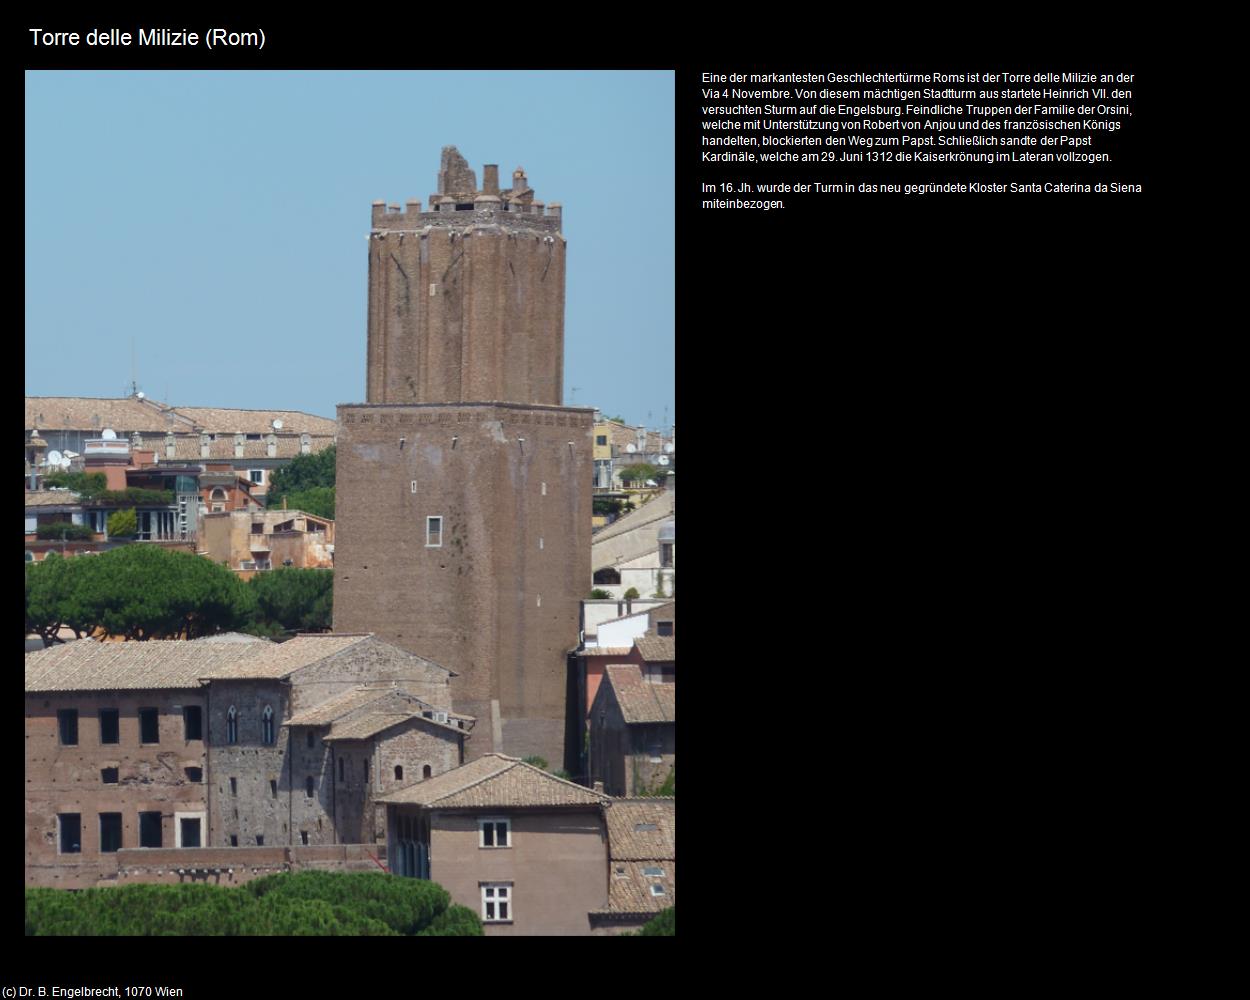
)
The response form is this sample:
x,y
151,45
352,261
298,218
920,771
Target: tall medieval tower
x,y
464,486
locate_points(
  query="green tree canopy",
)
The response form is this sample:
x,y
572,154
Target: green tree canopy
x,y
297,600
304,473
639,473
86,484
123,524
317,500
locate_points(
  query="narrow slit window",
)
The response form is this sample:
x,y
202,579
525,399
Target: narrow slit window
x,y
232,725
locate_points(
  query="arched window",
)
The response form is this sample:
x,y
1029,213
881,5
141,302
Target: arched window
x,y
232,725
425,771
266,726
399,772
308,787
609,576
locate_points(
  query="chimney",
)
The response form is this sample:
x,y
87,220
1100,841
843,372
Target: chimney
x,y
598,788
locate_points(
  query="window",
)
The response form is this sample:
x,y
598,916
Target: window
x,y
258,528
234,786
266,726
601,439
663,628
110,731
425,771
273,788
652,872
366,763
654,751
67,724
657,889
71,832
195,775
110,832
309,785
191,722
496,902
256,476
341,769
232,726
433,532
260,840
150,829
234,840
188,830
666,554
493,833
149,726
644,827
310,739
399,772
108,775
303,837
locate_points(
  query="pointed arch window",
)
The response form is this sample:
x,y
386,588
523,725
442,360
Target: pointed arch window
x,y
266,726
232,725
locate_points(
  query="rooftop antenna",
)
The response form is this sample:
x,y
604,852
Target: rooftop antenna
x,y
573,390
134,384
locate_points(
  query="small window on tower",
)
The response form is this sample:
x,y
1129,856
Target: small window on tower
x,y
433,532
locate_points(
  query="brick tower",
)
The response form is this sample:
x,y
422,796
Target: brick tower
x,y
464,487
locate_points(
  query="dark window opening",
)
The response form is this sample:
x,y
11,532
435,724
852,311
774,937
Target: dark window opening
x,y
108,775
266,727
309,787
425,771
110,730
234,786
190,833
260,840
110,832
195,774
366,762
663,628
303,837
464,206
609,576
399,773
71,833
191,721
232,726
601,439
340,769
67,721
273,788
310,738
149,726
234,840
149,829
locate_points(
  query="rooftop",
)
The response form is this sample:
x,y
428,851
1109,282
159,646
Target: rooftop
x,y
87,665
640,700
129,413
657,648
494,781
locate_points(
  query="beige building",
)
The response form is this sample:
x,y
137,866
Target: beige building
x,y
267,539
524,849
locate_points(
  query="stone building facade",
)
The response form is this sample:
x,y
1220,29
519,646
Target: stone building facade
x,y
222,744
463,486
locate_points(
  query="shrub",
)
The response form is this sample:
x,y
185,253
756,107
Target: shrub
x,y
64,531
632,594
598,594
123,524
663,924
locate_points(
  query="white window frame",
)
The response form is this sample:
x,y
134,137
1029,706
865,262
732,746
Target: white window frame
x,y
256,482
497,893
481,833
428,521
180,816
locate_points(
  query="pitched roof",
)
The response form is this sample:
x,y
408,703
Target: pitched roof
x,y
87,665
494,781
627,842
629,887
606,651
187,447
657,648
234,637
130,414
340,704
640,700
283,659
51,498
370,724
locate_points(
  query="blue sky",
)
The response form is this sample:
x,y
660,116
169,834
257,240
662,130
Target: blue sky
x,y
218,220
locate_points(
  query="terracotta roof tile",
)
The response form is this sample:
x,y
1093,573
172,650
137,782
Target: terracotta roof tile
x,y
640,700
494,781
361,727
86,665
283,659
630,887
341,704
657,648
607,651
630,837
128,414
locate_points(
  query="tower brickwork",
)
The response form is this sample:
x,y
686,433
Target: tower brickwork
x,y
464,487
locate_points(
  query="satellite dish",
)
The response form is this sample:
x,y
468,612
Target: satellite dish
x,y
631,448
662,460
109,434
70,454
277,425
54,458
139,395
669,448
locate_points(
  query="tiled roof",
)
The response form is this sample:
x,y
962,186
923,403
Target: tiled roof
x,y
626,842
640,700
187,447
129,414
607,651
657,648
221,419
51,498
369,724
233,637
86,665
339,705
283,659
629,887
494,781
